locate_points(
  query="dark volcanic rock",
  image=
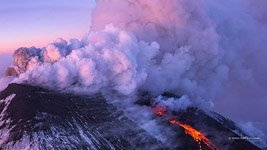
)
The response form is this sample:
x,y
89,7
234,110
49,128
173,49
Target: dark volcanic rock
x,y
217,128
47,119
36,118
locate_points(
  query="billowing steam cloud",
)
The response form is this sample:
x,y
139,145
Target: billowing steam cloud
x,y
187,47
110,59
186,59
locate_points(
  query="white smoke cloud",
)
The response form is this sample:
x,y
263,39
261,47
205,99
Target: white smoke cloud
x,y
226,48
193,48
172,103
189,60
111,59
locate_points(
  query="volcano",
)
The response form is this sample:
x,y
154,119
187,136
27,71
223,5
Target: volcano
x,y
32,117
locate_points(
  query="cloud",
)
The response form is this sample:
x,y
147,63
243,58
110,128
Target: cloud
x,y
103,60
191,48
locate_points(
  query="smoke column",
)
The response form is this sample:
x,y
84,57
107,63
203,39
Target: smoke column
x,y
199,49
227,42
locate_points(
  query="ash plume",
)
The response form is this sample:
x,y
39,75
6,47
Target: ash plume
x,y
192,48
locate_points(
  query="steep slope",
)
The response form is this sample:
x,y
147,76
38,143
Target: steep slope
x,y
33,117
36,118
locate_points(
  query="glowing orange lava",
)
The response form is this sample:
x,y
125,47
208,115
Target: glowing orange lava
x,y
159,110
196,135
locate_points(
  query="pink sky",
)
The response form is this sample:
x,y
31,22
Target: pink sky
x,y
34,23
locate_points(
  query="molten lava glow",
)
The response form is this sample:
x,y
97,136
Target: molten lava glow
x,y
196,135
159,110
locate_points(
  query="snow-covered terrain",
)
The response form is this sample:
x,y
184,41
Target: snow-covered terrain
x,y
36,118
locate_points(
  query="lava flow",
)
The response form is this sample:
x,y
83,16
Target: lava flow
x,y
196,135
